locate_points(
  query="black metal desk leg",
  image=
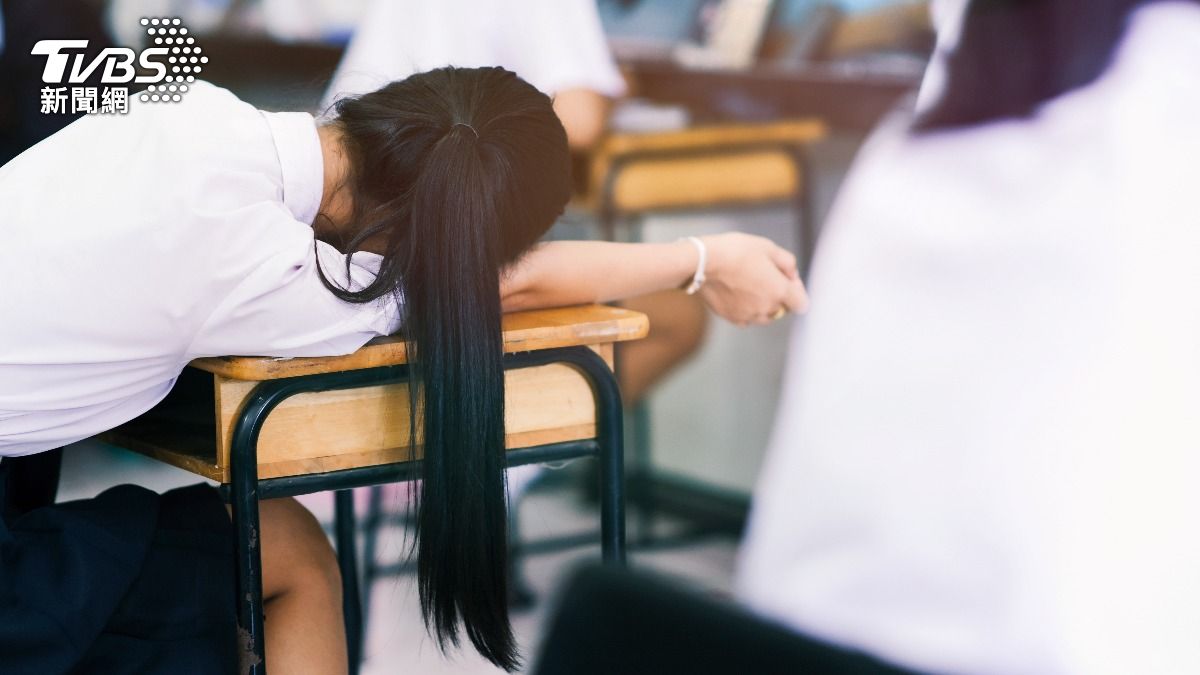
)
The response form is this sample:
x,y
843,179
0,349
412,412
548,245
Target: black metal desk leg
x,y
244,502
804,210
520,596
643,473
374,522
612,476
348,563
610,437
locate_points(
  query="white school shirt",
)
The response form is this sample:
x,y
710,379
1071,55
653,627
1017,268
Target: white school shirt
x,y
986,457
555,45
134,243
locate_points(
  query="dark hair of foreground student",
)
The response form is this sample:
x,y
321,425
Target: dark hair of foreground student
x,y
1014,55
460,171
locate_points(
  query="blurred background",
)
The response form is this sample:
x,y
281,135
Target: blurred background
x,y
727,115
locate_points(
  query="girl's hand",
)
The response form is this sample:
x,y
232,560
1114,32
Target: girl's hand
x,y
749,279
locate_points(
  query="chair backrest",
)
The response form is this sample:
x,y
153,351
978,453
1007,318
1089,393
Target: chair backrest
x,y
701,167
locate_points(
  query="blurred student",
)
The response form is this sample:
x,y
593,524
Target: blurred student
x,y
987,449
559,46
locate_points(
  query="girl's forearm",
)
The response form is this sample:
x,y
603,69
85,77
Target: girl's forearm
x,y
563,273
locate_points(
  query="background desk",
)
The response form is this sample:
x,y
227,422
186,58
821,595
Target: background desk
x,y
845,97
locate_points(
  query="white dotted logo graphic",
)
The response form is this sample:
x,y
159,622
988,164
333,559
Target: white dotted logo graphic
x,y
184,62
79,83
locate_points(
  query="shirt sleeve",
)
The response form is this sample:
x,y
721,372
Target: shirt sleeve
x,y
281,307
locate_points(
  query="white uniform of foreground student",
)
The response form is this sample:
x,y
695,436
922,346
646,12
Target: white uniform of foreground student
x,y
986,454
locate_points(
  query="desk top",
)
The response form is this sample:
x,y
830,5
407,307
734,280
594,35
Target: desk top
x,y
845,97
523,331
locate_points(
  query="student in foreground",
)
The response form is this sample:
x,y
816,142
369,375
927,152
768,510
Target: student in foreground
x,y
985,459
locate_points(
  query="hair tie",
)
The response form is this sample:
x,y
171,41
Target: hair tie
x,y
464,124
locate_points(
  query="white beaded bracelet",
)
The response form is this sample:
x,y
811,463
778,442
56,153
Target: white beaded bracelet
x,y
698,278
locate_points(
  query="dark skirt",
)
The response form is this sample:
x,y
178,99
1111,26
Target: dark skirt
x,y
127,582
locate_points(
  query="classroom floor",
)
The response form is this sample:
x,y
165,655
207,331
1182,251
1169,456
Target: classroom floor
x,y
396,639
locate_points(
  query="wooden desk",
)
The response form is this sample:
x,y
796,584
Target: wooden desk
x,y
312,433
266,427
846,97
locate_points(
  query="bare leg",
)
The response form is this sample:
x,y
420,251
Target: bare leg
x,y
303,593
677,324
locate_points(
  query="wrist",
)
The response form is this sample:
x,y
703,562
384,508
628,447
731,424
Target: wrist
x,y
699,270
718,254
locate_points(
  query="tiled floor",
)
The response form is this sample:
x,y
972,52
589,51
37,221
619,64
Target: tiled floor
x,y
396,639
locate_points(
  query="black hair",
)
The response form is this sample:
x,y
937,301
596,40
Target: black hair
x,y
1014,55
460,171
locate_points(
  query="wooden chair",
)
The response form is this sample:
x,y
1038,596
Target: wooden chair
x,y
264,427
632,175
705,167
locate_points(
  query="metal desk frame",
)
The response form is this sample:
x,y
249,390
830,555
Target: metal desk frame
x,y
245,489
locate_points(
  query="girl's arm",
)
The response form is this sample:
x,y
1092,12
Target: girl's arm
x,y
748,278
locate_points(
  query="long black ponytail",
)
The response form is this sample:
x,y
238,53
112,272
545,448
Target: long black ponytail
x,y
460,171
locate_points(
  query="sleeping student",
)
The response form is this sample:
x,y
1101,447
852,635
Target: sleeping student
x,y
133,244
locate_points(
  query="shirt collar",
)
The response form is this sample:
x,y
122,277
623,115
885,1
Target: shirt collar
x,y
300,162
